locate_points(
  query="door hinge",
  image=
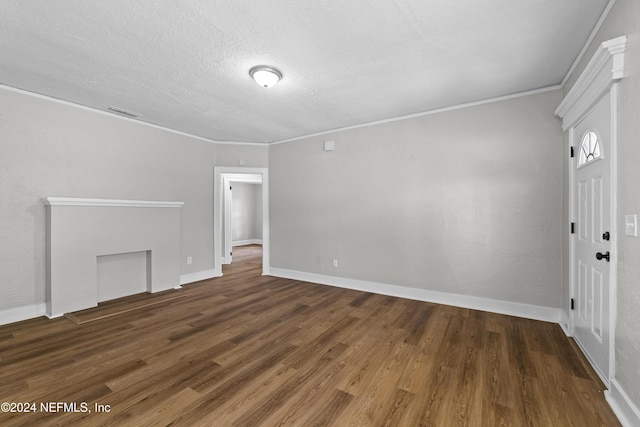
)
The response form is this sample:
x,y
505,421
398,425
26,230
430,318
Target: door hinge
x,y
573,228
230,253
572,304
571,153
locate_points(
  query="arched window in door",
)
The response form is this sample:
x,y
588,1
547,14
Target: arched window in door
x,y
589,148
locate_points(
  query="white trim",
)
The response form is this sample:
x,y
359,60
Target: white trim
x,y
75,201
245,178
247,242
565,323
528,311
600,76
218,174
198,276
227,220
135,120
17,314
228,179
613,214
623,407
604,69
611,157
572,219
606,381
586,45
424,113
255,144
54,316
111,114
266,144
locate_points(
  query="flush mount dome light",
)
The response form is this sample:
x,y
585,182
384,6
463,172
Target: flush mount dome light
x,y
265,76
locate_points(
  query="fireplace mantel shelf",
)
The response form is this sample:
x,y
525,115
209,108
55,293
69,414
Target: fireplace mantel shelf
x,y
77,201
81,230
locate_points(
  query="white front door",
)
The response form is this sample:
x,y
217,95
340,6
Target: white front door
x,y
593,234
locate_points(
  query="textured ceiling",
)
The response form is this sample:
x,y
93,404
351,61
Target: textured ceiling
x,y
184,64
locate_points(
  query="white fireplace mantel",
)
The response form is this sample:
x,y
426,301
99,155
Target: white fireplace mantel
x,y
75,201
79,230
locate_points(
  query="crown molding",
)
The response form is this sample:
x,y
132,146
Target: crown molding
x,y
603,70
121,117
424,113
586,45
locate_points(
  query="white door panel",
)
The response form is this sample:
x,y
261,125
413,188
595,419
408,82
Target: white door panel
x,y
592,208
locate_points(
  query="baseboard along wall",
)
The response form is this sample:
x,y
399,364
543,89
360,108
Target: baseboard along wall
x,y
199,275
247,242
547,314
624,408
25,312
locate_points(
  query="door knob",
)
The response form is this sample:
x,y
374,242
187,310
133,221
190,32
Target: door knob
x,y
600,255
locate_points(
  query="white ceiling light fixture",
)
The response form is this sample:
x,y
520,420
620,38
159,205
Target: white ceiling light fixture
x,y
265,76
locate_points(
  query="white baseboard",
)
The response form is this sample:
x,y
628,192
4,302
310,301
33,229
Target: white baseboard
x,y
199,275
564,323
623,407
18,314
25,312
247,242
536,312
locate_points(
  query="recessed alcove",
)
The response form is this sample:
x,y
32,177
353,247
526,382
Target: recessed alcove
x,y
139,236
120,275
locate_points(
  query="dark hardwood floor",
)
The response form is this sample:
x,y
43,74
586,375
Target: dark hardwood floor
x,y
252,350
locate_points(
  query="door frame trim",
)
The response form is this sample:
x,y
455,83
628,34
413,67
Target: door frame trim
x,y
227,181
610,156
218,194
605,68
600,76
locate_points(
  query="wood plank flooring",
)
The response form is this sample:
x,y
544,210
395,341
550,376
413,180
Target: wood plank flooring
x,y
252,350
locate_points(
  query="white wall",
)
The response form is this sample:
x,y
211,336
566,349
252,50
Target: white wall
x,y
121,275
624,19
246,212
50,148
465,202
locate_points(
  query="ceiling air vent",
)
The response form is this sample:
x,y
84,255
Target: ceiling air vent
x,y
124,112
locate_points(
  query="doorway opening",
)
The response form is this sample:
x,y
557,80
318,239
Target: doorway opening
x,y
255,185
241,213
247,262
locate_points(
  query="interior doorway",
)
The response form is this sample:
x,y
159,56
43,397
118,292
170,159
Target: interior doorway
x,y
222,201
241,213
